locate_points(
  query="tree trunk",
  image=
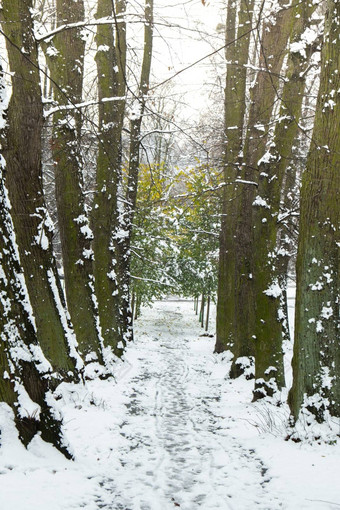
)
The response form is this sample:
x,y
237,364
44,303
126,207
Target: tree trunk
x,y
133,305
283,314
268,334
227,326
110,61
22,151
66,62
207,317
196,305
20,353
236,316
316,361
133,172
138,306
263,97
287,238
201,316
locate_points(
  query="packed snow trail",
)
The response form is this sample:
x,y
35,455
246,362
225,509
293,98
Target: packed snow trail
x,y
178,451
171,431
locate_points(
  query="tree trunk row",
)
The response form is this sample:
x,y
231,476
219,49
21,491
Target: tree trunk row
x,y
254,251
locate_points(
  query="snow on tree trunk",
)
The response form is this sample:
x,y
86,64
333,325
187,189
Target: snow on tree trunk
x,y
268,333
230,332
110,61
236,315
136,118
25,372
316,361
33,227
65,56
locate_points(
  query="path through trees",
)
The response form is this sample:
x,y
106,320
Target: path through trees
x,y
213,211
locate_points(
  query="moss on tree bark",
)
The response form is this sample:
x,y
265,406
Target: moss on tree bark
x,y
316,361
229,329
268,333
66,63
22,151
110,59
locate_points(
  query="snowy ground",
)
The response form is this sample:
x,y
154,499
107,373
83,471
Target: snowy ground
x,y
172,432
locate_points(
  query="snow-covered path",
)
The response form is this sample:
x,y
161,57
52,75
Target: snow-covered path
x,y
172,431
180,452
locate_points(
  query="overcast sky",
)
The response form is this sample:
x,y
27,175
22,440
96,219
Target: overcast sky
x,y
176,48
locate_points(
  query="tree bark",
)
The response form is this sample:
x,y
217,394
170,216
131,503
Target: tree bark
x,y
236,316
316,361
110,61
228,328
20,354
201,316
124,242
268,333
207,316
22,151
66,61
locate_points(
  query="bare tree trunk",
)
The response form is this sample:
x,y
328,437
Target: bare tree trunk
x,y
207,317
138,306
20,353
263,98
228,328
201,316
196,305
133,305
287,239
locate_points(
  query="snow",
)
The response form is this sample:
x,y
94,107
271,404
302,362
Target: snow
x,y
260,202
52,51
135,111
169,430
260,127
26,406
86,231
87,253
71,338
77,106
308,38
103,47
43,240
274,290
242,181
327,311
266,158
319,327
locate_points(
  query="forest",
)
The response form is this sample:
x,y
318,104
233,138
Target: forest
x,y
113,197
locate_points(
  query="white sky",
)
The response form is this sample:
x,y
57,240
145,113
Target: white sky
x,y
176,48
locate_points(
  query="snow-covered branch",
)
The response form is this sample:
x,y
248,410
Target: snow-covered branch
x,y
71,26
158,131
151,280
69,107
